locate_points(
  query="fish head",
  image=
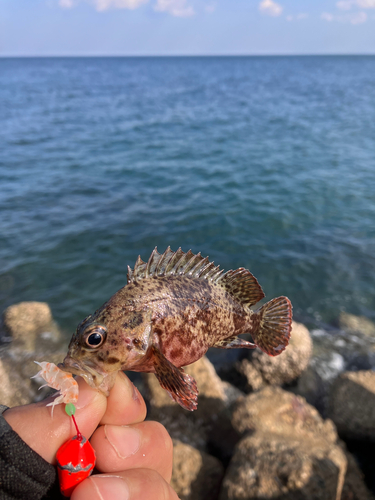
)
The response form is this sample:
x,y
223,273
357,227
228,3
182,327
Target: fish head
x,y
103,344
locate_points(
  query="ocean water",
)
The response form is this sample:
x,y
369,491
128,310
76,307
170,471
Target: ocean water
x,y
266,163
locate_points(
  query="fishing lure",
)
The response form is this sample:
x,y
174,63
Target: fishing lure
x,y
63,382
76,457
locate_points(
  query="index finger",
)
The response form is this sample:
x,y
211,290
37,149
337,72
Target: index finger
x,y
125,405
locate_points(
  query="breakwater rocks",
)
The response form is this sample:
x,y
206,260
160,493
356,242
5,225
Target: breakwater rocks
x,y
255,434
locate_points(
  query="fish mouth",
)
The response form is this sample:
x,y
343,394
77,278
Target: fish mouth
x,y
92,374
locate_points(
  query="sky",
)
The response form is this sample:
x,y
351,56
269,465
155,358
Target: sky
x,y
186,27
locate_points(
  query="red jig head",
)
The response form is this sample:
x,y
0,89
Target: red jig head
x,y
75,459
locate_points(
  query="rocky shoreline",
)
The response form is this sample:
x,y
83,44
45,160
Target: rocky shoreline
x,y
266,427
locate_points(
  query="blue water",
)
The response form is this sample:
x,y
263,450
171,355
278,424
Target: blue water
x,y
262,162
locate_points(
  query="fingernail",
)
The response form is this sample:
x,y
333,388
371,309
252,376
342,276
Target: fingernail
x,y
136,394
125,440
110,488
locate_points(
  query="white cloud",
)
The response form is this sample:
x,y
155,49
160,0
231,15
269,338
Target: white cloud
x,y
344,4
362,4
177,8
358,18
270,8
297,17
102,5
210,8
353,18
66,4
327,16
366,4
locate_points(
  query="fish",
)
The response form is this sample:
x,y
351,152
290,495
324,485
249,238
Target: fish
x,y
173,308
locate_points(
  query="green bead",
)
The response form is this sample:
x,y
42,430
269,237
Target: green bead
x,y
70,409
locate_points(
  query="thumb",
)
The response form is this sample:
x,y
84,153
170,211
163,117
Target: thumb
x,y
44,433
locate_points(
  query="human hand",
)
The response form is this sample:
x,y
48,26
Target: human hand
x,y
134,457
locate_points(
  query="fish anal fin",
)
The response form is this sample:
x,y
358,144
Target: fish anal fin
x,y
181,386
242,285
234,343
274,324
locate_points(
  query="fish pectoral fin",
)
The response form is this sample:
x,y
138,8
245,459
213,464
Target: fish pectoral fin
x,y
181,386
234,343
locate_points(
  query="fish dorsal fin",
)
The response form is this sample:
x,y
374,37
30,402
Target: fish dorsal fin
x,y
242,285
174,264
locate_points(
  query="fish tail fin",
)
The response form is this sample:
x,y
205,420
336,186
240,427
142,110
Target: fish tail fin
x,y
272,326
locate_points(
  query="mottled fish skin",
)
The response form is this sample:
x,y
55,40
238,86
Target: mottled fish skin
x,y
171,311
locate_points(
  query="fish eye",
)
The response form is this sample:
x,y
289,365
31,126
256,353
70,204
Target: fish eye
x,y
96,337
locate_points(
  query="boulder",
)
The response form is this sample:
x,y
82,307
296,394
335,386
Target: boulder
x,y
287,450
352,404
273,466
280,412
313,388
352,323
29,322
34,336
15,390
354,485
263,369
196,475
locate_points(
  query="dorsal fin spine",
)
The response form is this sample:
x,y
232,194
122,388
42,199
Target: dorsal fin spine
x,y
195,272
192,264
130,275
206,269
164,259
171,267
150,268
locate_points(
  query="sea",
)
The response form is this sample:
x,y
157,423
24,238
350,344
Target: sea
x,y
266,163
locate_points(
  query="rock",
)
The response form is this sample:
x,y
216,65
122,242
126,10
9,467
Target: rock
x,y
352,404
280,412
354,486
196,475
34,337
14,389
360,324
263,369
27,322
287,451
273,466
311,387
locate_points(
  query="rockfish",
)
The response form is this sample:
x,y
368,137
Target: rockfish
x,y
172,310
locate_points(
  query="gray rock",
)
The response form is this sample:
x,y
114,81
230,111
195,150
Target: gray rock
x,y
360,324
352,404
287,451
196,475
34,336
273,466
30,323
280,412
311,387
354,486
264,370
